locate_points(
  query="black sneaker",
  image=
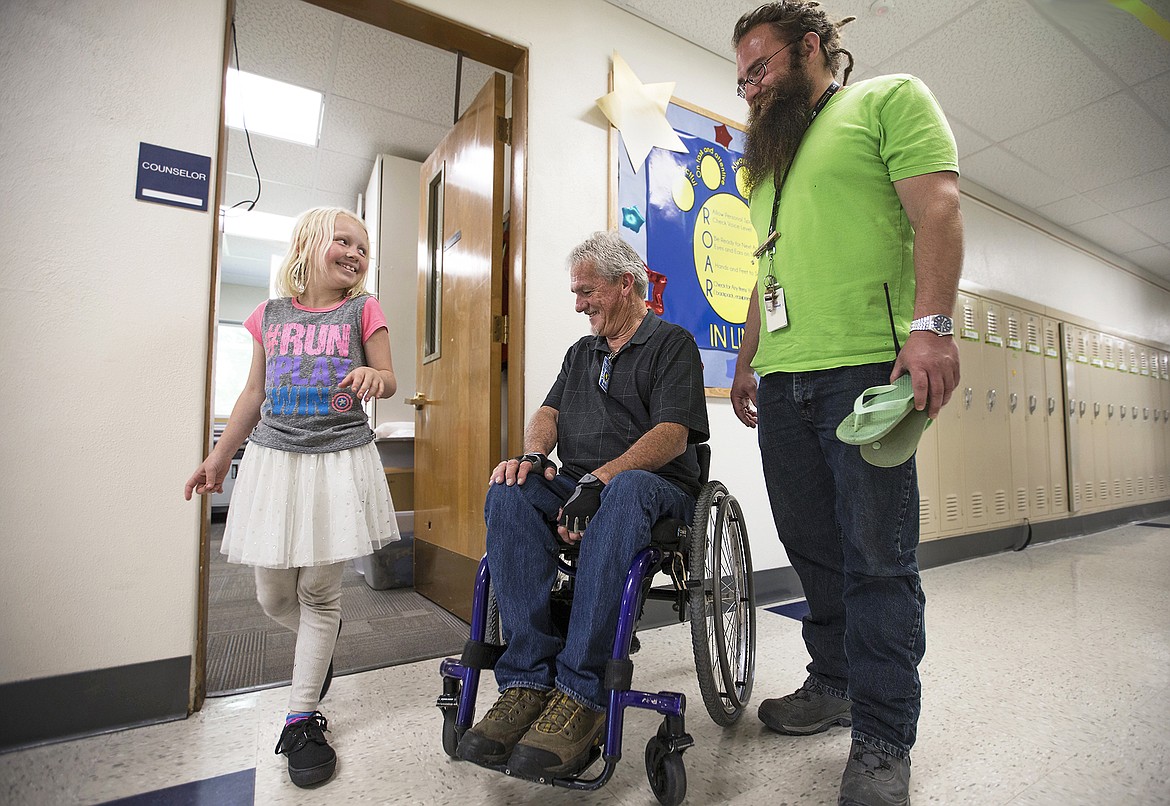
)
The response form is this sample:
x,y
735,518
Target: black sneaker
x,y
310,758
329,671
874,778
808,710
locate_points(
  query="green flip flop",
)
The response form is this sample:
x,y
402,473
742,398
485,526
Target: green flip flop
x,y
900,443
877,411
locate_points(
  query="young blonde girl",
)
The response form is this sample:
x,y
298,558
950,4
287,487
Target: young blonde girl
x,y
311,492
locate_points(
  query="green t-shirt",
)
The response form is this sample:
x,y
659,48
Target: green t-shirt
x,y
843,232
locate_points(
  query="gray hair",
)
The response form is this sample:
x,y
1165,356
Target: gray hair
x,y
611,257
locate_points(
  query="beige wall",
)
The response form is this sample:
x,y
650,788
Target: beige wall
x,y
104,331
105,327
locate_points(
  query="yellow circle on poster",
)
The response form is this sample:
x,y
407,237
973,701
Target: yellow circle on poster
x,y
741,181
725,265
711,169
683,192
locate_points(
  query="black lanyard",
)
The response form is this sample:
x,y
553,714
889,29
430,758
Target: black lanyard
x,y
770,243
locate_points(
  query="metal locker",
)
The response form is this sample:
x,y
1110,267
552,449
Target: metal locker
x,y
1054,407
1019,502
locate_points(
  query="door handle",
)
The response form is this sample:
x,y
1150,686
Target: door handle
x,y
1096,410
1013,400
1031,404
418,401
1110,411
967,397
990,399
1051,405
1123,412
1081,408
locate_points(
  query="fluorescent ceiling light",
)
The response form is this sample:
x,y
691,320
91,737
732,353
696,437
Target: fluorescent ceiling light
x,y
254,224
266,106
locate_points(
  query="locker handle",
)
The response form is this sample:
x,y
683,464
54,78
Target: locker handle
x,y
1110,411
1051,405
1123,412
1031,404
990,399
967,397
1135,412
1082,408
1013,400
1072,406
1096,410
1146,413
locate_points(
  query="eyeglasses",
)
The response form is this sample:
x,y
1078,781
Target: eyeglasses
x,y
756,74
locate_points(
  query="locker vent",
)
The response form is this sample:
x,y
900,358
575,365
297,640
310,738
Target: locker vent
x,y
1001,503
1013,328
1103,484
1022,501
1141,487
1090,492
1161,484
1033,335
992,322
951,510
1076,496
924,512
1116,489
1129,488
1041,500
1058,503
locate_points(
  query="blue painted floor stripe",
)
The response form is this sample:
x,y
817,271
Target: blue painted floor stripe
x,y
233,789
794,610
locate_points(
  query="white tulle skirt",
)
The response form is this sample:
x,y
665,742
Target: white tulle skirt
x,y
290,510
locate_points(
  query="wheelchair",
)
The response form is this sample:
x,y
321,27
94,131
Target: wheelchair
x,y
709,565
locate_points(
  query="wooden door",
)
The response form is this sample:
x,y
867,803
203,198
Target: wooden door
x,y
460,330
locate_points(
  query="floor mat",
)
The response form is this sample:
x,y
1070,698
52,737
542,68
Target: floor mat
x,y
246,650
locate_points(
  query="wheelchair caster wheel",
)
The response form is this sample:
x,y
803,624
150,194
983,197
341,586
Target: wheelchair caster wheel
x,y
450,734
666,773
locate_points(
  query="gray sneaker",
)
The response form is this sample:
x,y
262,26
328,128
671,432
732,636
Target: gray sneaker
x,y
874,778
808,710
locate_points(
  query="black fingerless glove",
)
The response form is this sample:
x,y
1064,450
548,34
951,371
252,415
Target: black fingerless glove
x,y
538,460
582,504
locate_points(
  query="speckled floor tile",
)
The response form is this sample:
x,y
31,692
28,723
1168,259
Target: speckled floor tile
x,y
1046,681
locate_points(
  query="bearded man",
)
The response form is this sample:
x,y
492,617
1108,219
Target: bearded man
x,y
855,201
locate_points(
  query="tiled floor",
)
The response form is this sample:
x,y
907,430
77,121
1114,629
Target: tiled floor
x,y
1047,681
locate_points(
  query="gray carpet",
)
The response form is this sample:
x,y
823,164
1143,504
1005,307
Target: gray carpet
x,y
247,651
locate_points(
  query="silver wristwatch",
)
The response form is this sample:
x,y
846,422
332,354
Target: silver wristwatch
x,y
936,323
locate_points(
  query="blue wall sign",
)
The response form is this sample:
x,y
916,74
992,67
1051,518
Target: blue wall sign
x,y
167,176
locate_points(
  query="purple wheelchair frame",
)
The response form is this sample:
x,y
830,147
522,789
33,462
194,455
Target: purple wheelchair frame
x,y
461,678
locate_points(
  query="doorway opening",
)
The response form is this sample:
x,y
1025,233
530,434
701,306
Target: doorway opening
x,y
391,77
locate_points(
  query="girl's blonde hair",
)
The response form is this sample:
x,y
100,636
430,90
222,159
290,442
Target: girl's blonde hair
x,y
311,237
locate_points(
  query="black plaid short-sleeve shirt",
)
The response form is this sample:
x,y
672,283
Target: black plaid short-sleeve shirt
x,y
655,378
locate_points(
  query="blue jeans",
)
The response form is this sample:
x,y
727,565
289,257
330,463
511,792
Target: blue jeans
x,y
851,533
522,549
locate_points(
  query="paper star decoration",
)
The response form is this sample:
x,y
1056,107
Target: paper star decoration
x,y
722,135
638,111
632,218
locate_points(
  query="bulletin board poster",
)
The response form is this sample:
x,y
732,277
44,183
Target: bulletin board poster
x,y
686,214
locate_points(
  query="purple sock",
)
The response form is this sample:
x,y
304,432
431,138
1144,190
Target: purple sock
x,y
296,716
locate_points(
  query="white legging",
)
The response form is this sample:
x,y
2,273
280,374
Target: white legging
x,y
308,602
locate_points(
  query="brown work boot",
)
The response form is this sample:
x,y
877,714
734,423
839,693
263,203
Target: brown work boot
x,y
558,744
491,740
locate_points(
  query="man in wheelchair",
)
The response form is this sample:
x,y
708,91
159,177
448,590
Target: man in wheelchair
x,y
624,414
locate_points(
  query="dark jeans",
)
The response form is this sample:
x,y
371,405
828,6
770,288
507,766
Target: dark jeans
x,y
851,533
522,548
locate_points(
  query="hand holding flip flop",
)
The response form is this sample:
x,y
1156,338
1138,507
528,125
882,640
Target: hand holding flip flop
x,y
885,424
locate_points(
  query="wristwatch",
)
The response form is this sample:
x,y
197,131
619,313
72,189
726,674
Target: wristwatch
x,y
936,323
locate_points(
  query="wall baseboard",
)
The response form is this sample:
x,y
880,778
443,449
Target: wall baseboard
x,y
70,706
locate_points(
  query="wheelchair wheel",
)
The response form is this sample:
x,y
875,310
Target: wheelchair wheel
x,y
450,735
665,772
722,608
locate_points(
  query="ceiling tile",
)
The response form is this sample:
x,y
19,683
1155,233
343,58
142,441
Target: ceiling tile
x,y
1153,219
1153,258
1102,28
364,131
967,139
1072,210
1009,176
1113,234
1133,192
371,66
287,40
1155,93
344,171
293,163
1003,65
281,198
1107,141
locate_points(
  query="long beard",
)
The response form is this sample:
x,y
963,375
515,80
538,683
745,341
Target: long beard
x,y
776,123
